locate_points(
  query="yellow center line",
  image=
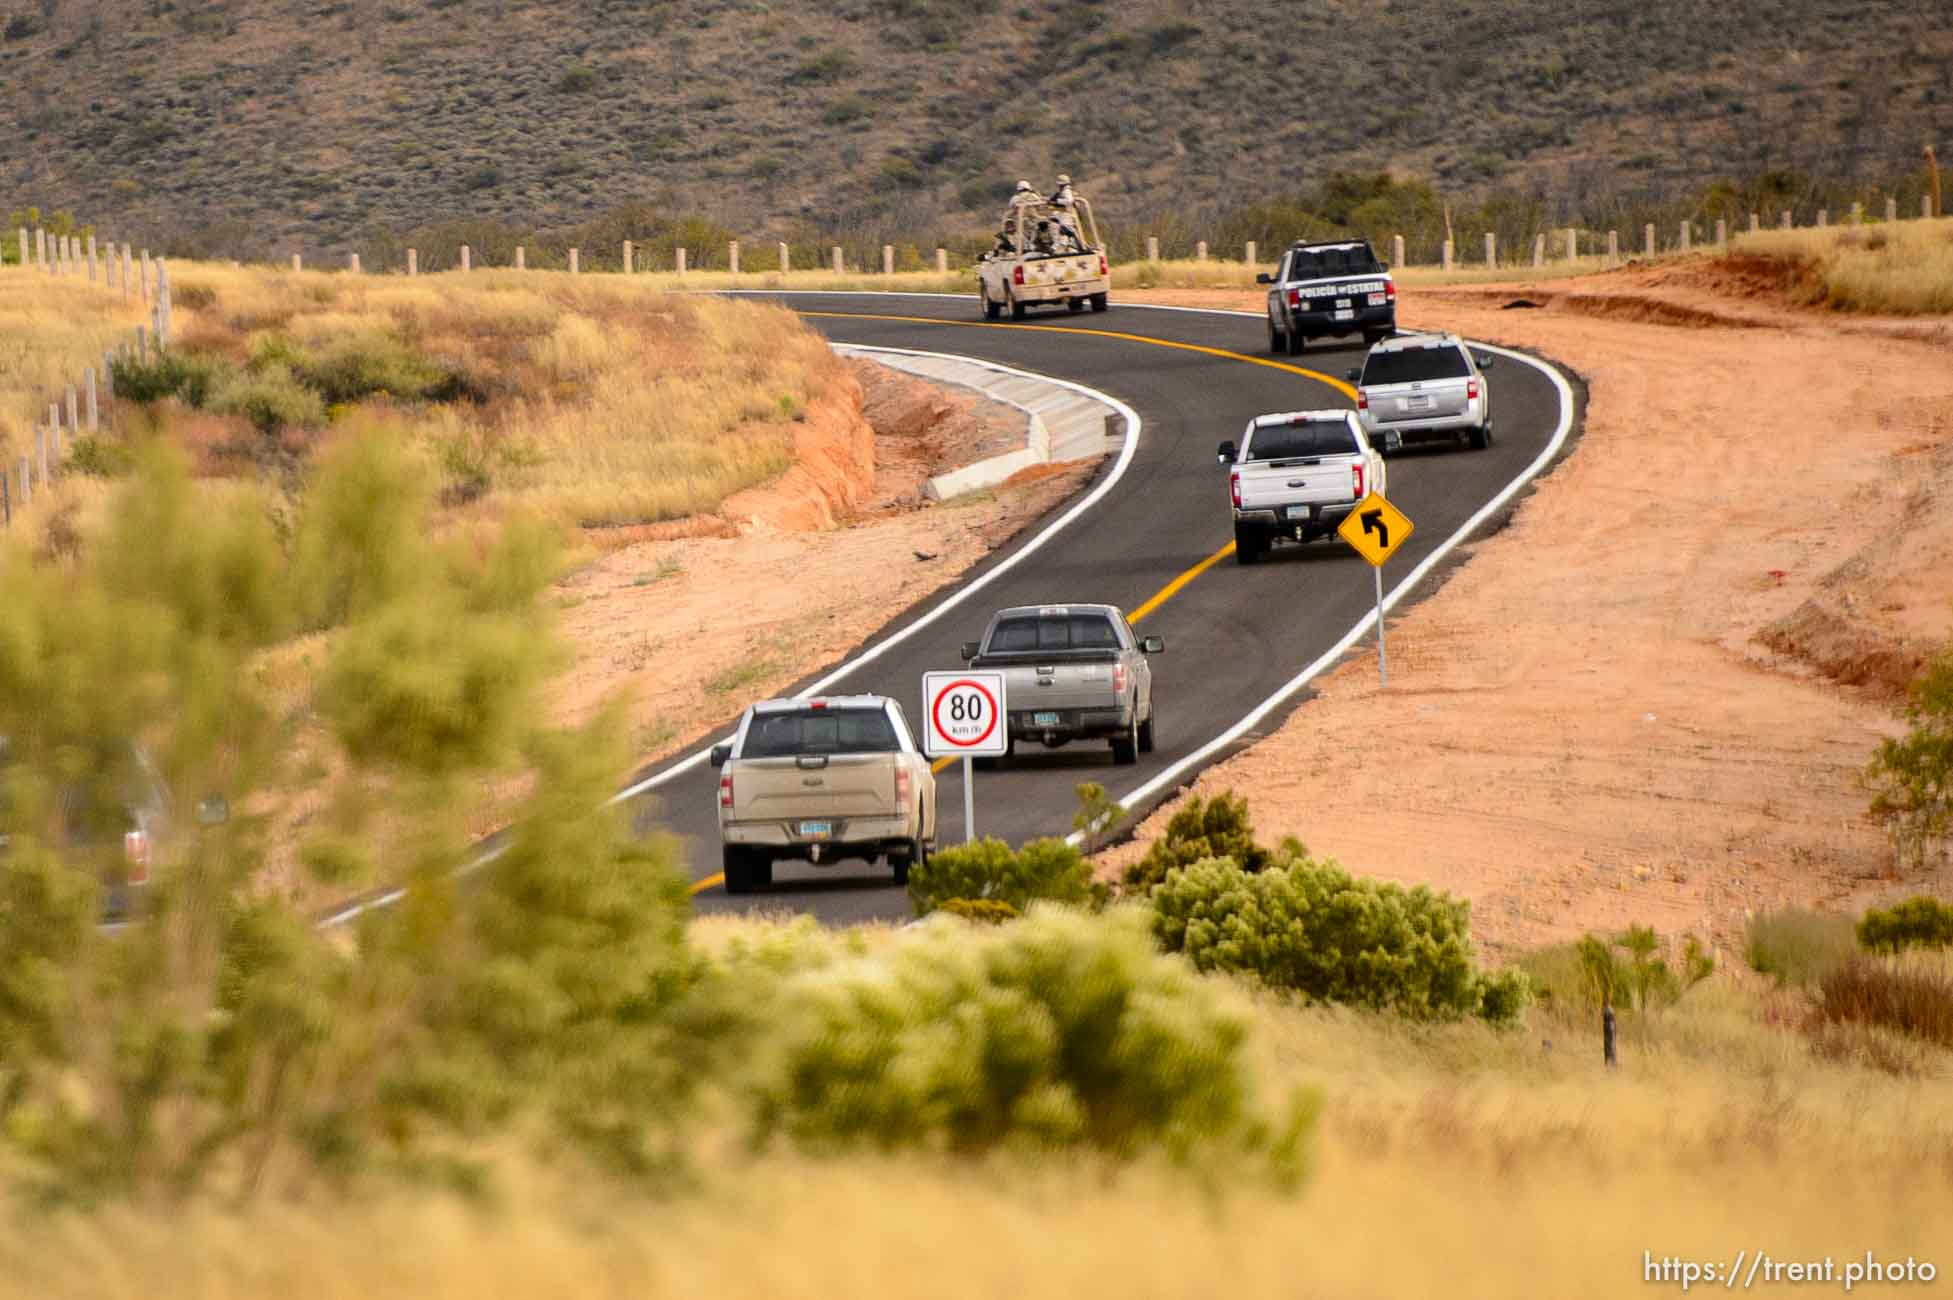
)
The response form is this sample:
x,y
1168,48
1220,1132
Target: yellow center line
x,y
1316,375
1171,589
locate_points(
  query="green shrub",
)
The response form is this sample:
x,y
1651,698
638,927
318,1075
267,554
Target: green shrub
x,y
1313,929
1797,947
271,399
1627,972
1047,869
1920,922
99,456
1912,778
1204,829
1063,1030
984,911
350,370
165,374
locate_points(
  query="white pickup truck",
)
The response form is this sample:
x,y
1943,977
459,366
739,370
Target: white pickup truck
x,y
1072,672
1295,476
823,779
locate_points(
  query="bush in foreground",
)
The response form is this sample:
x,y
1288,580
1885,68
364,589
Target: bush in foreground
x,y
1313,929
1061,1030
1920,922
1795,946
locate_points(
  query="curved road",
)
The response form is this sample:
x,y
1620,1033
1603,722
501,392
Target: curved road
x,y
1234,635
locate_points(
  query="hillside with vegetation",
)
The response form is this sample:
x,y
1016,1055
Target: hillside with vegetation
x,y
245,127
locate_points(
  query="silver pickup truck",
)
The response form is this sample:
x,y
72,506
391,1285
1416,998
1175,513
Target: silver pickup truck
x,y
1295,476
1072,672
823,779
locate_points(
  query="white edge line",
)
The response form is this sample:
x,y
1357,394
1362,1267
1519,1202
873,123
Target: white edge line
x,y
1127,451
1396,594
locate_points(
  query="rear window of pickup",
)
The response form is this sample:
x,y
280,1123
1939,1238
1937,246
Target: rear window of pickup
x,y
1320,263
1293,441
820,731
1414,365
1054,632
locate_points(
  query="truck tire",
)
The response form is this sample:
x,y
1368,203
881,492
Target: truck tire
x,y
1016,307
1125,749
1295,343
1248,545
1481,437
746,869
1074,304
1146,730
1277,341
1100,301
902,861
990,309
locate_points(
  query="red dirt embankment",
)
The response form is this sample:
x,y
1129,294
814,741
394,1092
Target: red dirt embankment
x,y
1649,698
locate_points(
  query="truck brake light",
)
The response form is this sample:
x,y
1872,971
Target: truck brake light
x,y
1362,399
1390,291
1103,268
1118,679
1356,474
725,790
1294,298
1017,275
902,787
1471,390
1234,488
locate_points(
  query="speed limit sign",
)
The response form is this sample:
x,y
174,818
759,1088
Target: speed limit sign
x,y
964,714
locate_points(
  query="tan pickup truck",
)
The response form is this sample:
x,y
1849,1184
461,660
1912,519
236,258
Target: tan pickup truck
x,y
820,780
1046,254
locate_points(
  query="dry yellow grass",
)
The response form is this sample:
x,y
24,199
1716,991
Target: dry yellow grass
x,y
1904,268
50,330
1455,1161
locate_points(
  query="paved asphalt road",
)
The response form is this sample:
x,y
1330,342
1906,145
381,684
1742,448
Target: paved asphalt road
x,y
1233,634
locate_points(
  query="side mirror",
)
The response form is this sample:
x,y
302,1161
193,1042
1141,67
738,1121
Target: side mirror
x,y
1152,645
969,650
1354,374
720,755
1264,278
1484,363
1225,453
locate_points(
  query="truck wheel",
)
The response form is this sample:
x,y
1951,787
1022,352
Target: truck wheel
x,y
903,860
1016,307
1295,343
1277,341
1146,731
1099,302
1125,749
1248,545
746,869
990,309
1074,304
1481,437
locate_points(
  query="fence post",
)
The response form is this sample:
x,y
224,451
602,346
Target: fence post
x,y
1200,251
1823,218
521,258
91,259
888,259
628,267
1539,251
128,269
1891,208
1648,238
94,403
834,262
1687,236
40,246
1250,257
1857,213
1491,250
1756,223
732,256
1607,1053
1722,232
1396,252
1152,248
681,261
352,264
1925,207
942,261
74,415
467,258
1446,265
786,259
413,261
576,266
298,262
1784,222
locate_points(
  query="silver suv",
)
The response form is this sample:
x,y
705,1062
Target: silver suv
x,y
1424,388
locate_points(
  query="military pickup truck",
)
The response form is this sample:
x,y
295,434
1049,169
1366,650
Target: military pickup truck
x,y
1295,475
1072,672
820,780
1328,289
1046,254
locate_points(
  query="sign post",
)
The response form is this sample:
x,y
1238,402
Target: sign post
x,y
964,716
1376,529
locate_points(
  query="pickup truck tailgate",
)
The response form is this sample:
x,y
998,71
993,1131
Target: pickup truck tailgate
x,y
1062,270
841,785
1054,686
1314,481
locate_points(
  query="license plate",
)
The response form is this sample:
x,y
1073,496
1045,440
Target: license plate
x,y
1376,300
1344,313
1417,403
1044,719
816,830
1297,512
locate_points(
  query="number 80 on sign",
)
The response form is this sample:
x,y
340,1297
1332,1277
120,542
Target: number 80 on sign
x,y
964,713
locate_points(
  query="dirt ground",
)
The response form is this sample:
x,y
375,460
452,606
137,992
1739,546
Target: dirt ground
x,y
1649,697
688,621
